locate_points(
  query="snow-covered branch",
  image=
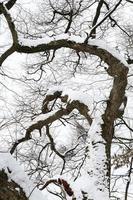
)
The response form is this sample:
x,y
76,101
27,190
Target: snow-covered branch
x,y
14,181
8,5
48,117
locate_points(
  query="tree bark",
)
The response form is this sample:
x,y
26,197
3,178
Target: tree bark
x,y
9,190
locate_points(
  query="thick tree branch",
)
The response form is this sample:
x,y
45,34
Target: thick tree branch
x,y
9,189
82,108
9,5
10,23
116,99
13,31
6,54
130,1
93,49
54,45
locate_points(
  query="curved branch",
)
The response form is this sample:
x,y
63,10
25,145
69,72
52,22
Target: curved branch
x,y
75,104
10,23
70,43
14,34
6,54
93,48
52,143
9,5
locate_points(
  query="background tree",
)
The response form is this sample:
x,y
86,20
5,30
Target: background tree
x,y
68,123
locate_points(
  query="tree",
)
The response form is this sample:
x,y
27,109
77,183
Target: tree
x,y
65,28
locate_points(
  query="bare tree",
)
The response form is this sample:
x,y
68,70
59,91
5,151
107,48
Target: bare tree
x,y
65,28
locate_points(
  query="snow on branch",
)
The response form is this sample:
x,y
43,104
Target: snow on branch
x,y
16,174
116,64
94,47
10,23
48,116
8,5
77,43
71,38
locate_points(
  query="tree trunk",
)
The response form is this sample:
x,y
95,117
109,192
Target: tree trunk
x,y
9,190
